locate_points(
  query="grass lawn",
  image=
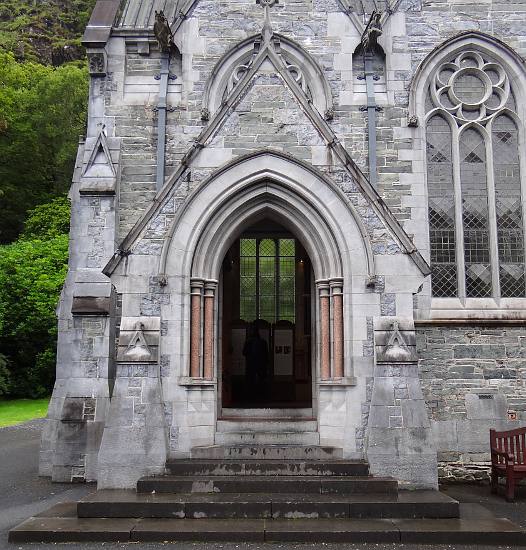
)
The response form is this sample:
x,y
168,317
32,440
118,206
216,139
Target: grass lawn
x,y
21,410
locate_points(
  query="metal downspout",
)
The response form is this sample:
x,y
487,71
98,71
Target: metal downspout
x,y
371,117
161,120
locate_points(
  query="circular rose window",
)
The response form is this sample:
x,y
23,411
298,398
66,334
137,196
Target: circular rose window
x,y
470,87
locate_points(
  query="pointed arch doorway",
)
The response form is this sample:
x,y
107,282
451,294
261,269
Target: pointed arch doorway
x,y
266,321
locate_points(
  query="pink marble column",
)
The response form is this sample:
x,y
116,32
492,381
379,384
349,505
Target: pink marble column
x,y
209,330
337,320
195,328
325,330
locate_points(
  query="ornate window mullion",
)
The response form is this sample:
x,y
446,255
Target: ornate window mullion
x,y
459,228
492,215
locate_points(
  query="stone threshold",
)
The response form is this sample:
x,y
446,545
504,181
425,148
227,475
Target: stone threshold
x,y
335,382
197,382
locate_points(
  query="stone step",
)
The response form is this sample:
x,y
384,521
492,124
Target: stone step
x,y
270,425
266,413
54,527
268,438
244,467
267,452
129,504
268,484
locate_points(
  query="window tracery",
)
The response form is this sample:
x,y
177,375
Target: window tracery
x,y
471,88
474,180
239,71
234,65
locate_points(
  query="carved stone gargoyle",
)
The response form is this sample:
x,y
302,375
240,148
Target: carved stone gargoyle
x,y
372,32
163,33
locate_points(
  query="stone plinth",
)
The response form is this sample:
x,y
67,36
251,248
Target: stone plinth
x,y
400,440
134,442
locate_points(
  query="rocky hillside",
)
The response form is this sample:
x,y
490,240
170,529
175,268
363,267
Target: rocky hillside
x,y
45,31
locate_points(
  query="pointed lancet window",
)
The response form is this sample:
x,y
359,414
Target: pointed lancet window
x,y
508,205
476,220
441,207
475,215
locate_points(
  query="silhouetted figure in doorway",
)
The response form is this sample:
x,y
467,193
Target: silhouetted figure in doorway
x,y
256,354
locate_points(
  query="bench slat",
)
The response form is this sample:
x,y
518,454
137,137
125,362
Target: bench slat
x,y
511,442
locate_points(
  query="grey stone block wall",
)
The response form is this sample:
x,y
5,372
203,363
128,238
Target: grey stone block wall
x,y
134,443
473,379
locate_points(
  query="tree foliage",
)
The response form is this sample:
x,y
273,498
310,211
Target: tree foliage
x,y
4,376
32,272
42,113
49,220
43,109
44,31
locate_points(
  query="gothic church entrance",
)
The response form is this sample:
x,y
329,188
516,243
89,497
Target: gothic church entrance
x,y
267,321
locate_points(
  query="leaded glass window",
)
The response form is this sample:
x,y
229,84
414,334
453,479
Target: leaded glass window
x,y
268,279
508,205
475,216
476,223
441,207
247,279
287,279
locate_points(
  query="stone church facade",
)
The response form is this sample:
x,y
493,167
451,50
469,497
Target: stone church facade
x,y
340,182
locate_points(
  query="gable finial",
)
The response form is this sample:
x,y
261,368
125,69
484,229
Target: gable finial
x,y
267,31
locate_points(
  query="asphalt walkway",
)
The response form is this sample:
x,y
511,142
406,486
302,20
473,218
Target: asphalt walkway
x,y
24,494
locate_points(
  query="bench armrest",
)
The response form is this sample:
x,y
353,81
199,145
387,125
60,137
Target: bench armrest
x,y
508,457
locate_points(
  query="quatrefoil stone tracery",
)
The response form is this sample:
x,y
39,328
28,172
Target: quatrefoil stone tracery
x,y
470,88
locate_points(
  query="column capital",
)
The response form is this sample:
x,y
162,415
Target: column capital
x,y
336,285
323,286
210,286
196,286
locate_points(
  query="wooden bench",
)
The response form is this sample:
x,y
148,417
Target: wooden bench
x,y
508,459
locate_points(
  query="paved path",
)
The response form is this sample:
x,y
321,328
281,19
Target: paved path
x,y
23,494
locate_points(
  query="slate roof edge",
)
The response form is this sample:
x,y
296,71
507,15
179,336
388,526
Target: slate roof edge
x,y
100,24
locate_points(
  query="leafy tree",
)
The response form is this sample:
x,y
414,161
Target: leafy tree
x,y
32,272
4,375
49,220
42,113
44,31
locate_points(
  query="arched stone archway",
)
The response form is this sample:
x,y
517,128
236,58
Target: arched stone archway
x,y
186,388
310,200
265,186
273,186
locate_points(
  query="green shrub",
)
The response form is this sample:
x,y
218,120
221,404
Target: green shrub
x,y
49,220
32,273
4,375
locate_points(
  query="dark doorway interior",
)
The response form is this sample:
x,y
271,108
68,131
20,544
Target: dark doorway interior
x,y
266,336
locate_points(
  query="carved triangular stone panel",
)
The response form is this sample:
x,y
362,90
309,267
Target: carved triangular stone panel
x,y
396,349
139,340
138,349
100,163
99,176
395,340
